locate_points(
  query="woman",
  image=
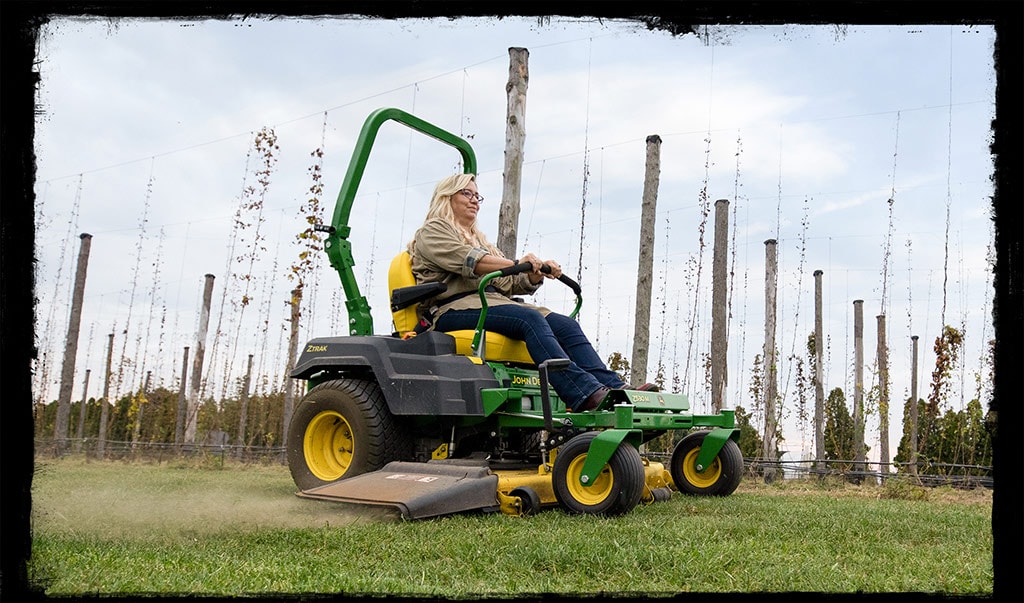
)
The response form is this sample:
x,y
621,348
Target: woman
x,y
450,248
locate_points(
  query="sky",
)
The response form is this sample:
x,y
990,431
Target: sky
x,y
146,142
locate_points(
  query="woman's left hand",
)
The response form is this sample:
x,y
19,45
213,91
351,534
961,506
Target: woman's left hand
x,y
556,269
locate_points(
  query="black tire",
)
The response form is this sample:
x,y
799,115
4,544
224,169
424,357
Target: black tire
x,y
616,490
720,479
528,498
342,428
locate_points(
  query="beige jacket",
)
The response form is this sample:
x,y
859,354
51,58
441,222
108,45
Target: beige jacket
x,y
440,254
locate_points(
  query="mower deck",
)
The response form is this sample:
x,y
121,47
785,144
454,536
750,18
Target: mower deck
x,y
443,487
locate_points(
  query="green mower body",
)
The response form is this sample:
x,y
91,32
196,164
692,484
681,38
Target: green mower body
x,y
430,427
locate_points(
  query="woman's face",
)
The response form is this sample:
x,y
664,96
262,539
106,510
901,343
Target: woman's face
x,y
465,205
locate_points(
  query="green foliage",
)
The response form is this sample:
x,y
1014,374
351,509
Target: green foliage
x,y
947,353
310,241
839,433
159,418
901,490
750,442
756,387
620,364
956,437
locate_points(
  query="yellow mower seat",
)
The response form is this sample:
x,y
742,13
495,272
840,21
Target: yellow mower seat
x,y
497,347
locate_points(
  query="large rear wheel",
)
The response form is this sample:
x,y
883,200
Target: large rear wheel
x,y
615,491
720,478
342,428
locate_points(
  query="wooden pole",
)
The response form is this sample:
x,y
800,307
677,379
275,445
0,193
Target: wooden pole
x,y
883,399
142,399
179,423
101,441
858,385
244,411
770,368
819,384
192,412
80,434
61,424
645,263
515,135
719,328
293,345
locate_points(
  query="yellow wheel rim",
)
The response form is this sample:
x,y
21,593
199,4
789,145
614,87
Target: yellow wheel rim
x,y
704,479
328,446
593,494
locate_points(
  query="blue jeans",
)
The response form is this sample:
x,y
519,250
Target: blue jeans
x,y
554,336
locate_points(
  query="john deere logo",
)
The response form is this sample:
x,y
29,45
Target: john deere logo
x,y
521,380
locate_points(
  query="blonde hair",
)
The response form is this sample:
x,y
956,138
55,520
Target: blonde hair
x,y
441,207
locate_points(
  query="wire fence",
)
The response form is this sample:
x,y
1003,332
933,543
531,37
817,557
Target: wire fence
x,y
218,450
159,451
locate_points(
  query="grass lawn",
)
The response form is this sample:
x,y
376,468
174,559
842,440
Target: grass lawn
x,y
176,528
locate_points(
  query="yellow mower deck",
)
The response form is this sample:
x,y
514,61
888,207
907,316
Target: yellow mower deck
x,y
442,487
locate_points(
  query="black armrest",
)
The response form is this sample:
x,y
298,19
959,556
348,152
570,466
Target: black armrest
x,y
403,297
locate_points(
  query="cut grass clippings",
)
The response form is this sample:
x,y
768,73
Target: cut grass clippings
x,y
130,528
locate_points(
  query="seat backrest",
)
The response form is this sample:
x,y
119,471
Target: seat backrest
x,y
400,275
497,347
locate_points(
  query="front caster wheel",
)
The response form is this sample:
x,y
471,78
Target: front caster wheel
x,y
720,478
615,491
528,498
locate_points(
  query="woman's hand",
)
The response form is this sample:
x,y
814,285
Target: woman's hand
x,y
536,275
556,269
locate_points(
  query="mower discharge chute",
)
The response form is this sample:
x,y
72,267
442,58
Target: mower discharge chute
x,y
441,423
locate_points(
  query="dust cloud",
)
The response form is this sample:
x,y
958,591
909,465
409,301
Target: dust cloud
x,y
148,501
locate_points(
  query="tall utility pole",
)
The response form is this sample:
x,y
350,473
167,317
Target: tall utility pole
x,y
515,135
101,441
192,413
771,275
819,380
293,347
61,424
645,268
883,398
858,385
719,327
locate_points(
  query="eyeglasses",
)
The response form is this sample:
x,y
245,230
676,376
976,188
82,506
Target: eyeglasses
x,y
472,196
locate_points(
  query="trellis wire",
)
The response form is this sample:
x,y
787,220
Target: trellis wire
x,y
266,308
586,166
310,300
731,280
47,352
229,282
704,205
268,137
122,377
153,299
663,277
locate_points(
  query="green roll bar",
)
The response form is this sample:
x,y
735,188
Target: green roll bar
x,y
336,244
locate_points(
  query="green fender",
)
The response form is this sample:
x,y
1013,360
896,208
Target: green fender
x,y
713,443
603,447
